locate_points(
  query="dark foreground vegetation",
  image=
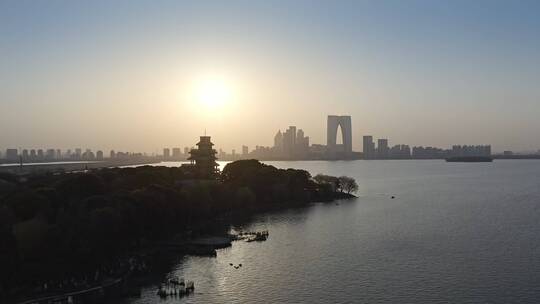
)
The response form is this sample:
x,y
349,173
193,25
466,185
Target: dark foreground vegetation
x,y
54,226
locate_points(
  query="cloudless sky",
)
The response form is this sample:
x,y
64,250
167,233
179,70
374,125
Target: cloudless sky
x,y
118,74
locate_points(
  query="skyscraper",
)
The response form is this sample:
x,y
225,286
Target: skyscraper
x,y
78,153
382,148
333,123
289,142
302,144
368,147
278,140
51,154
166,153
12,154
176,153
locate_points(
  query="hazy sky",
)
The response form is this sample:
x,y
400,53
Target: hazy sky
x,y
122,74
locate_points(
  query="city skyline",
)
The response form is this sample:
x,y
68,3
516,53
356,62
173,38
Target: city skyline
x,y
291,144
142,75
339,136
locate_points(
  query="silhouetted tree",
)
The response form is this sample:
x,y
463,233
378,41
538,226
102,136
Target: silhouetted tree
x,y
348,184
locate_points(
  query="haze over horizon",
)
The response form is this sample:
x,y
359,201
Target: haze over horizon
x,y
143,75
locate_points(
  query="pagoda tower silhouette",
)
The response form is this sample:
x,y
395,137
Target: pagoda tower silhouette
x,y
203,159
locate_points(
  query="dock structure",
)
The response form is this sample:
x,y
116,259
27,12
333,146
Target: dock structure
x,y
175,287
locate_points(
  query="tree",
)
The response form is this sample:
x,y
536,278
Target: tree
x,y
347,184
328,181
241,171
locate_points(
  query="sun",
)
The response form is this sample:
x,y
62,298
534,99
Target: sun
x,y
213,92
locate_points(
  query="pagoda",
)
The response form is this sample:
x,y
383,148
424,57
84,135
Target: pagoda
x,y
203,159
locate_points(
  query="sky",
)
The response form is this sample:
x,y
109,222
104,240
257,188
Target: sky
x,y
144,75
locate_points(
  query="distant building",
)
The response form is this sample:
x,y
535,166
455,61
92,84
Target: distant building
x,y
508,153
99,155
245,151
25,154
186,151
368,147
166,153
88,155
176,153
480,150
40,154
204,158
332,124
278,141
33,154
51,154
382,148
400,152
429,153
302,144
112,154
12,154
289,142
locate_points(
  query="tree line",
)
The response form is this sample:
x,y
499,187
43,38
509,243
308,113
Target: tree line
x,y
51,224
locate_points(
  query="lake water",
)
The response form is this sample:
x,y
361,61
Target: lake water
x,y
455,233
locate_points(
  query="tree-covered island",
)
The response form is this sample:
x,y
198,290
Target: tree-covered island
x,y
67,231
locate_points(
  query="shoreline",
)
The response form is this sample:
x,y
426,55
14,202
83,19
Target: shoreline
x,y
205,238
110,223
62,167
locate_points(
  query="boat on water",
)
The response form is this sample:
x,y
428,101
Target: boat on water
x,y
470,159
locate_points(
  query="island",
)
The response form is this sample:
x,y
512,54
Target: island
x,y
65,232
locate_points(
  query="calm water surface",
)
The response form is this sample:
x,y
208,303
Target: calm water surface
x,y
455,233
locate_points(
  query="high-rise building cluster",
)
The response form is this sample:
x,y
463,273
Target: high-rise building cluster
x,y
175,154
383,151
484,150
291,144
78,154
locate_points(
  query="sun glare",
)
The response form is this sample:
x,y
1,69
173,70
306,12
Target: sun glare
x,y
213,92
